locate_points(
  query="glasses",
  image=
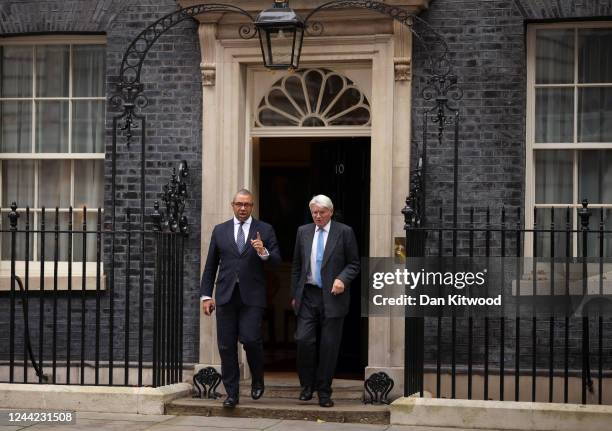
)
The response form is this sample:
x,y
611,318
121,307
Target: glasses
x,y
242,204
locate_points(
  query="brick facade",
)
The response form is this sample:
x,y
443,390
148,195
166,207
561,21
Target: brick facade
x,y
487,44
171,76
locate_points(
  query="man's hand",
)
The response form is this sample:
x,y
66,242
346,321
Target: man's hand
x,y
338,287
258,245
208,306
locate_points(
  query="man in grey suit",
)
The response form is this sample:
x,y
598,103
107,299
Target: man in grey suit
x,y
325,261
238,250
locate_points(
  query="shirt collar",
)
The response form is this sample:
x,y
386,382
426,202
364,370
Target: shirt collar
x,y
246,222
325,228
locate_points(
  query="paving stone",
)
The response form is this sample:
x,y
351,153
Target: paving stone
x,y
90,424
222,422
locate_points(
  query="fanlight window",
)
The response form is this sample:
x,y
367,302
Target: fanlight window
x,y
313,98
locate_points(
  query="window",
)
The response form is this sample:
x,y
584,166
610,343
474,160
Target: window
x,y
569,130
313,98
52,109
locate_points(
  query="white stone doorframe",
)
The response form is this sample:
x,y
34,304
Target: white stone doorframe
x,y
227,153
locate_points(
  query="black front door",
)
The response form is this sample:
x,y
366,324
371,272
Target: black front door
x,y
341,170
292,171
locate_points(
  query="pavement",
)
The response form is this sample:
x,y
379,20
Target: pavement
x,y
135,422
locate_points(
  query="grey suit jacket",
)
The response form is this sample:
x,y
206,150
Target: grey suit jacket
x,y
340,260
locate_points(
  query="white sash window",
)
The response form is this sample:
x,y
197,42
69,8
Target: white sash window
x,y
569,130
52,115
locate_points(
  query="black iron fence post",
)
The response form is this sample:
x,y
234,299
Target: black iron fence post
x,y
414,327
584,213
13,216
170,228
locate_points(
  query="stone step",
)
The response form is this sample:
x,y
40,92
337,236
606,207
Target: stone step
x,y
276,391
344,411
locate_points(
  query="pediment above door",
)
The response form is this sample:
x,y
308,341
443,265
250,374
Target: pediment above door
x,y
360,21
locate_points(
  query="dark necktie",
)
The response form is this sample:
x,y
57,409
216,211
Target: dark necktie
x,y
240,238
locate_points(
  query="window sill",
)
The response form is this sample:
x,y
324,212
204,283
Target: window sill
x,y
35,279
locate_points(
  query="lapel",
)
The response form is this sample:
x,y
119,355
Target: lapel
x,y
230,235
332,239
308,238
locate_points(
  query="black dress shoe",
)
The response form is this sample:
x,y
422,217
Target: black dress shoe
x,y
257,390
306,394
230,402
326,402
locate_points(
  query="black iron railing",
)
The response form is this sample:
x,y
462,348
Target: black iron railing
x,y
543,357
90,305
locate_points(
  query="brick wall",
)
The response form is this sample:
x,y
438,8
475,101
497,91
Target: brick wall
x,y
173,119
487,39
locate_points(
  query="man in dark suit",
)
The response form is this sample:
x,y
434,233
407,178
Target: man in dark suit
x,y
238,249
325,261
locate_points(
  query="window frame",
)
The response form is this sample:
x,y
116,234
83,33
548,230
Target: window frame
x,y
71,157
531,147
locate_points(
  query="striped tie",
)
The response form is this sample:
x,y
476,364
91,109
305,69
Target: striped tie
x,y
240,238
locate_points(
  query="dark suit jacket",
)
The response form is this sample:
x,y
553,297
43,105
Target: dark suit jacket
x,y
340,260
247,267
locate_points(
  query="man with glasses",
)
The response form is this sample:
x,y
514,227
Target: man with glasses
x,y
238,250
325,261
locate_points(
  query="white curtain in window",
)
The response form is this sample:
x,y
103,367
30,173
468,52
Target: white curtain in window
x,y
554,120
16,71
595,178
17,186
52,70
15,126
595,55
18,182
51,126
88,73
555,56
88,126
88,183
554,183
54,184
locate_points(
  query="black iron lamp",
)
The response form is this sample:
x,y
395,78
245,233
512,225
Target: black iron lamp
x,y
281,33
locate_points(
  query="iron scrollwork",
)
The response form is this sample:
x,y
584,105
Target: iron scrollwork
x,y
206,382
441,87
378,386
129,90
413,211
430,39
173,198
441,84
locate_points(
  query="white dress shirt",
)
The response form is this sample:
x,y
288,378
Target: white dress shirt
x,y
246,226
313,251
